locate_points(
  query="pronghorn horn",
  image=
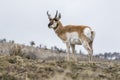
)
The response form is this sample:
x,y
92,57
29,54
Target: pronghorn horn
x,y
49,16
56,14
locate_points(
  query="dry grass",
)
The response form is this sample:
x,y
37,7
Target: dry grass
x,y
30,63
20,68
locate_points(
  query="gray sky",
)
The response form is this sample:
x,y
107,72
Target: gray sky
x,y
26,20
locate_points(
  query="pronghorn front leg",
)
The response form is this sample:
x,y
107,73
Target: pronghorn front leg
x,y
73,52
68,51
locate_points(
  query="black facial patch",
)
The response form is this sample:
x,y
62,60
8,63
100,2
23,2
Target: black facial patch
x,y
55,19
50,23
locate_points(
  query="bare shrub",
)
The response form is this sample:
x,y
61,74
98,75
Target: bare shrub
x,y
15,49
30,55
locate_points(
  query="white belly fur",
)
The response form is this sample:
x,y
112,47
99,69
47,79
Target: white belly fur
x,y
73,38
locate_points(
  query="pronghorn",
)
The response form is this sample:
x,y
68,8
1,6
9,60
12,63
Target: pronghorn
x,y
72,35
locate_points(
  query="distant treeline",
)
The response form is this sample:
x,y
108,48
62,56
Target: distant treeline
x,y
106,55
109,55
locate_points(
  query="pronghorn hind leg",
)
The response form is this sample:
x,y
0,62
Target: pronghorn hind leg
x,y
73,52
87,45
90,56
91,52
88,48
68,51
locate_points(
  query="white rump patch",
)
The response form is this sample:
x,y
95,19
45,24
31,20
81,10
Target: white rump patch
x,y
73,38
87,32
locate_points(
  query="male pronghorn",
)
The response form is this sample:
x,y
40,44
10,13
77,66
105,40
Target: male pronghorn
x,y
72,35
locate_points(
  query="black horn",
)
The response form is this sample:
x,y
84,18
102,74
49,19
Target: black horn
x,y
56,14
49,16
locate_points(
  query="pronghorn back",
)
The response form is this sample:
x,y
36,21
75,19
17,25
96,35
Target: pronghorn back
x,y
79,30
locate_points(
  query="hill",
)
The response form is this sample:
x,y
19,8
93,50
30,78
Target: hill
x,y
20,62
19,68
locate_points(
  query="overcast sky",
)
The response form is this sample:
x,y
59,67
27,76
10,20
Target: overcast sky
x,y
26,20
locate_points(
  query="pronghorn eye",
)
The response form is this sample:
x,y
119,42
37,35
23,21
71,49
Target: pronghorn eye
x,y
55,19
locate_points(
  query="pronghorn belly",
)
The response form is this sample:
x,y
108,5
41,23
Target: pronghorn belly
x,y
75,41
73,38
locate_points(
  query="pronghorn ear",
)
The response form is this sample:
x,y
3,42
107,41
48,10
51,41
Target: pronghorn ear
x,y
59,17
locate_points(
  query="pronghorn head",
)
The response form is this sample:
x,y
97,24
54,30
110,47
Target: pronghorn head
x,y
53,21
